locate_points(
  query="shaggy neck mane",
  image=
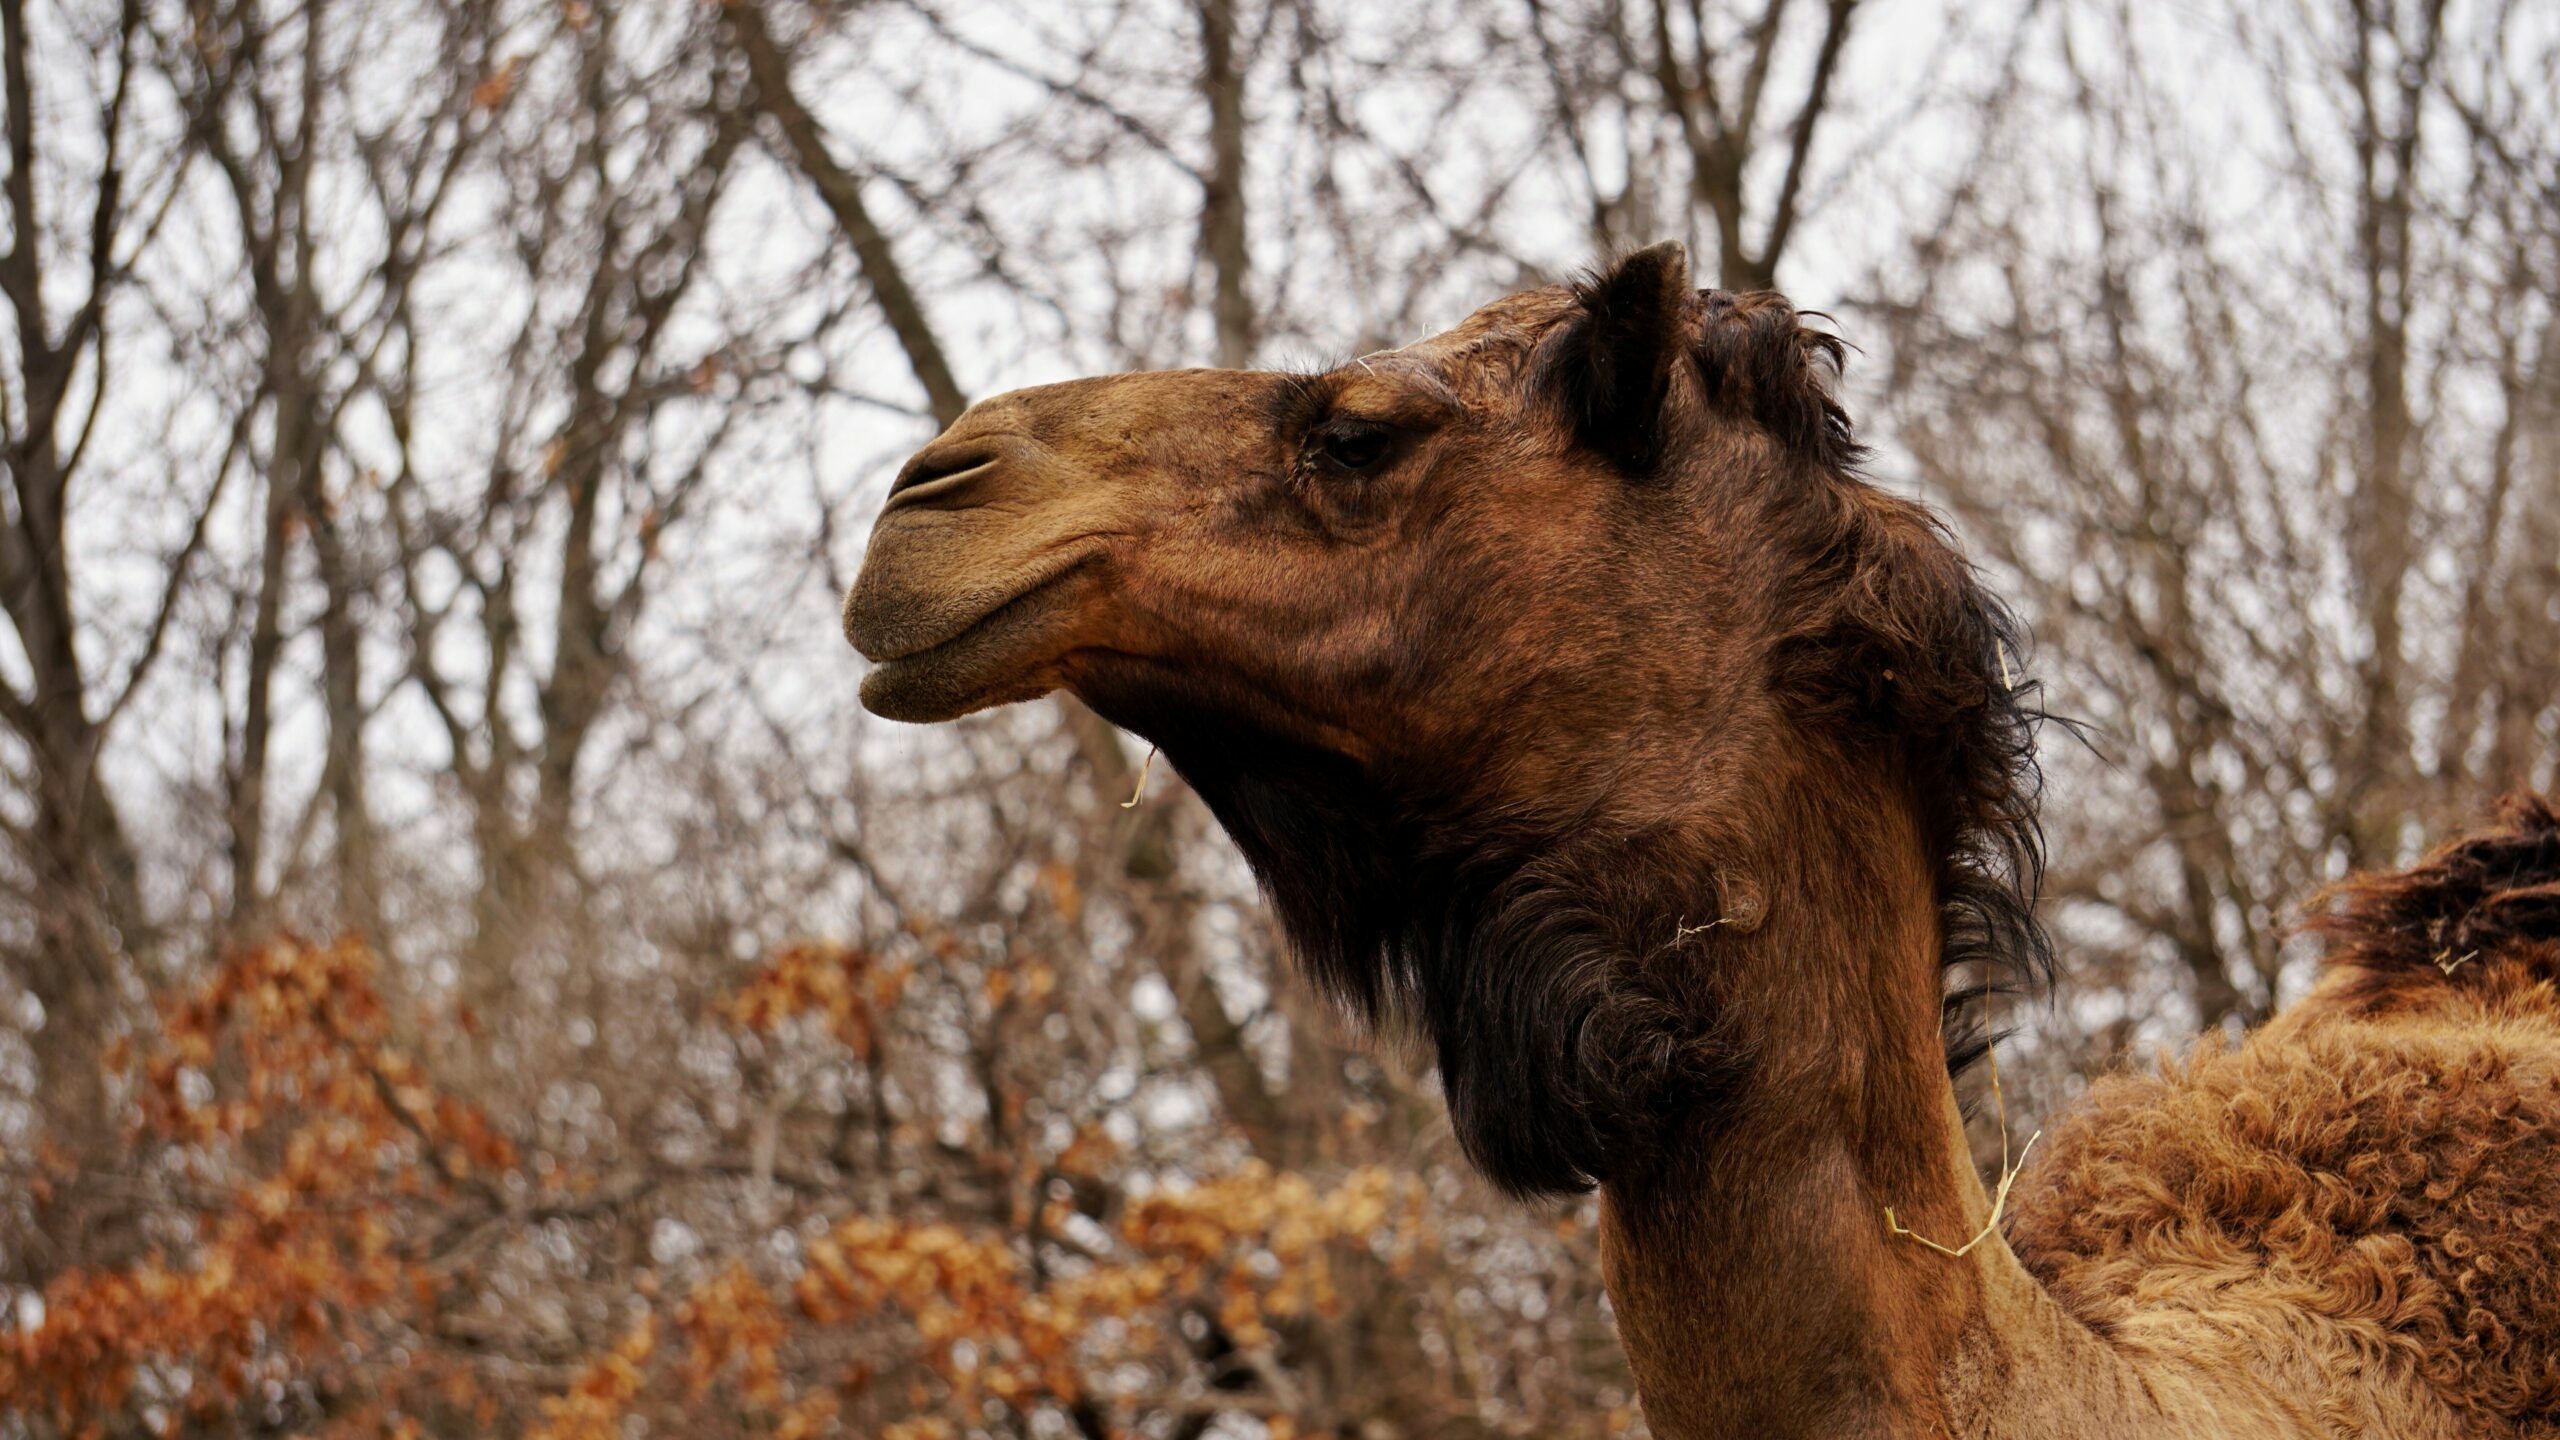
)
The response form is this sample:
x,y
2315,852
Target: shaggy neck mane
x,y
1578,980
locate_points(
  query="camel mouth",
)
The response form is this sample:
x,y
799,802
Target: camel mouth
x,y
892,614
989,654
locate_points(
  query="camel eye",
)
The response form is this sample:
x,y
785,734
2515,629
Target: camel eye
x,y
1354,447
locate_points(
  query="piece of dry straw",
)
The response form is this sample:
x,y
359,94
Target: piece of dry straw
x,y
1999,1198
1141,792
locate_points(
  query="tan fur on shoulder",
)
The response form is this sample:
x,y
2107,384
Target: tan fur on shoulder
x,y
2368,1185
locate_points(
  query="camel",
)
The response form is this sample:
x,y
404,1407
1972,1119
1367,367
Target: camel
x,y
1585,715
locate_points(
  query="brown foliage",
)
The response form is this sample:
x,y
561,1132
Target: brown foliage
x,y
835,985
324,1171
298,1134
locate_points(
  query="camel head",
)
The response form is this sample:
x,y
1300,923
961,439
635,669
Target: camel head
x,y
1488,651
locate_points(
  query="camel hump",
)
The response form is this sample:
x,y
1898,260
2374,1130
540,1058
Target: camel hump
x,y
2486,897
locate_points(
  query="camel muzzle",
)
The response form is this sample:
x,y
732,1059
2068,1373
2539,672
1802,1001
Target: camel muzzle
x,y
962,598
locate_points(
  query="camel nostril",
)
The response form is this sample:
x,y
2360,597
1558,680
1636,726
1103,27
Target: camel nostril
x,y
936,477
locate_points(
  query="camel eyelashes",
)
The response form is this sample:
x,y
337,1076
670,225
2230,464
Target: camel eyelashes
x,y
1353,447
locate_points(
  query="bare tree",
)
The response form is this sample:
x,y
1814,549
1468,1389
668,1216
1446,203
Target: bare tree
x,y
551,556
73,238
2223,470
1741,107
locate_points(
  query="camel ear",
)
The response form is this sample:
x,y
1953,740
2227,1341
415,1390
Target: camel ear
x,y
1616,360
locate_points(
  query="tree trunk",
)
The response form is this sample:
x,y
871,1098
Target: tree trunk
x,y
1222,202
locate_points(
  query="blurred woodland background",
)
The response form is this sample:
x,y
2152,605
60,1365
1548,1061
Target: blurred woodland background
x,y
467,966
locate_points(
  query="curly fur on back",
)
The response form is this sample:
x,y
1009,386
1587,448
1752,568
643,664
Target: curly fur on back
x,y
2370,1184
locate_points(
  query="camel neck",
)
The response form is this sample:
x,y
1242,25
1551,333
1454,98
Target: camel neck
x,y
1757,1287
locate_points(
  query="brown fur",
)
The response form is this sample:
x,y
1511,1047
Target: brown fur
x,y
2373,1177
1582,710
